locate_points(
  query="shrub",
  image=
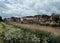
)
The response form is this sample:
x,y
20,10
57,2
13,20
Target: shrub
x,y
55,24
47,24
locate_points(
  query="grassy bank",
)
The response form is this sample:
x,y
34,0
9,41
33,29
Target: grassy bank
x,y
16,34
43,36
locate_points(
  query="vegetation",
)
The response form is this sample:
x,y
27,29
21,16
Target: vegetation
x,y
14,34
56,18
52,24
1,29
1,19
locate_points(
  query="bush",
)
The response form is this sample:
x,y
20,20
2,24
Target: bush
x,y
44,24
55,24
47,23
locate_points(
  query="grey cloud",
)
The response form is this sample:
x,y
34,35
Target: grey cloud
x,y
29,7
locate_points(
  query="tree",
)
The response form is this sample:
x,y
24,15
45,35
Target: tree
x,y
1,19
55,17
4,20
37,16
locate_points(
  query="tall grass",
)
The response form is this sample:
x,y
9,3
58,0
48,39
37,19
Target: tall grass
x,y
52,24
14,34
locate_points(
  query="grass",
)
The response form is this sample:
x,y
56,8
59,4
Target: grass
x,y
34,27
16,34
1,41
1,29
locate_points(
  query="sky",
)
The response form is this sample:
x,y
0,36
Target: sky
x,y
19,8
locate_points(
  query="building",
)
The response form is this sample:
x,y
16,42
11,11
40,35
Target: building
x,y
45,18
12,19
36,19
29,19
15,19
7,20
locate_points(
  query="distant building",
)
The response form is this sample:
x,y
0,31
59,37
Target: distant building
x,y
7,20
29,19
36,19
15,19
45,18
12,19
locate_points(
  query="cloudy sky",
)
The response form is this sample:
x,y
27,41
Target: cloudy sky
x,y
20,8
